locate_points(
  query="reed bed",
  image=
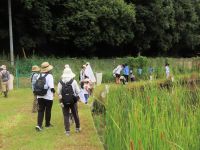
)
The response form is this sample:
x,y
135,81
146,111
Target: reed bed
x,y
153,118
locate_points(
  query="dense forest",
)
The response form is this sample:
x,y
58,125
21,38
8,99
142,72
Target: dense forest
x,y
102,28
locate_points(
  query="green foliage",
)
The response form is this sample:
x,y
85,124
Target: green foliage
x,y
87,22
152,118
153,27
136,62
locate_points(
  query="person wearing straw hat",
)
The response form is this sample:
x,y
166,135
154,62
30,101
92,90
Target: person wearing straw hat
x,y
34,75
5,76
45,102
67,78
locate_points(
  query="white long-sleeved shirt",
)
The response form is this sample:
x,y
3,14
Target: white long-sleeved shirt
x,y
118,69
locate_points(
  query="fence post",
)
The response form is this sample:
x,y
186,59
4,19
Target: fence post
x,y
17,75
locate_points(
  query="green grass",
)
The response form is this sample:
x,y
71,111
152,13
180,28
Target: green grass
x,y
18,126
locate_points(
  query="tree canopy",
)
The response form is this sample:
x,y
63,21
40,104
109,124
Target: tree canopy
x,y
103,27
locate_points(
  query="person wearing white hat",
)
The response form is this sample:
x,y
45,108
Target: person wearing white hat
x,y
68,91
34,75
45,102
5,76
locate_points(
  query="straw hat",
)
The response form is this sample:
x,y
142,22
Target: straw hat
x,y
84,66
3,67
35,68
67,73
46,67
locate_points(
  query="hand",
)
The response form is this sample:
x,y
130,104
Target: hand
x,y
61,105
60,96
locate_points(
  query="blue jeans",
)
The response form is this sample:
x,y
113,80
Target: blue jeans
x,y
86,97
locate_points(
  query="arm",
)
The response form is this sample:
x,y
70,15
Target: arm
x,y
76,88
50,83
59,88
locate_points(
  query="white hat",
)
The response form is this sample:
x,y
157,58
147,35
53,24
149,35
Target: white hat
x,y
87,63
67,73
3,67
67,66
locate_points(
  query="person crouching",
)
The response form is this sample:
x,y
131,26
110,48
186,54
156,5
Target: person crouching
x,y
68,90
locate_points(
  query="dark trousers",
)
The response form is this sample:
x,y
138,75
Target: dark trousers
x,y
44,106
126,77
66,114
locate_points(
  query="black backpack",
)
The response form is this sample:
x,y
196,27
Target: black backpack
x,y
39,86
67,93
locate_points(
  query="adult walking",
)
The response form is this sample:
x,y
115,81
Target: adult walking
x,y
34,75
68,91
45,99
117,72
5,76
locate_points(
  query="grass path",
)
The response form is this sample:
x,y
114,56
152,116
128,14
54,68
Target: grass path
x,y
17,124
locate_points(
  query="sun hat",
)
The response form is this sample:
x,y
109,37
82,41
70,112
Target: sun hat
x,y
67,66
3,67
84,66
35,68
46,67
67,73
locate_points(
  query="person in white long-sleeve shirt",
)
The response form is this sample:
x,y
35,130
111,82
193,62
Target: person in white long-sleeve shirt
x,y
66,78
45,102
117,72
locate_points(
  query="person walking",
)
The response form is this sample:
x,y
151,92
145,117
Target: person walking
x,y
5,76
34,75
68,91
45,97
126,72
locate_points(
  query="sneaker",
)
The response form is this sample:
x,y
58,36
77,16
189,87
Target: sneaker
x,y
67,133
78,130
49,126
38,128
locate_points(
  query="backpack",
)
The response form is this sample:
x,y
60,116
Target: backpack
x,y
67,93
39,86
5,76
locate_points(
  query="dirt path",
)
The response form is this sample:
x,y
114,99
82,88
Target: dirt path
x,y
17,127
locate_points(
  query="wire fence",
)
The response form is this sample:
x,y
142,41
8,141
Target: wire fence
x,y
22,69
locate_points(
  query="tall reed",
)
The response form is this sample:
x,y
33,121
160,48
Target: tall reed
x,y
153,118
